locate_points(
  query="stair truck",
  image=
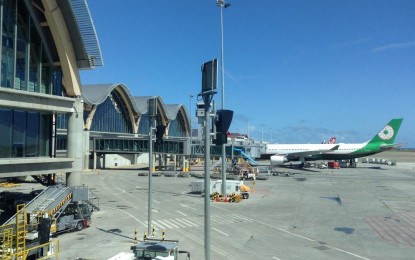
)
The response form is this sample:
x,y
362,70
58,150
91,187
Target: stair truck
x,y
76,216
67,207
55,209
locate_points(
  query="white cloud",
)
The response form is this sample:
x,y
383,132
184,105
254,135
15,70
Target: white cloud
x,y
394,46
352,43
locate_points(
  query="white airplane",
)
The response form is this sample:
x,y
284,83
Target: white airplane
x,y
283,153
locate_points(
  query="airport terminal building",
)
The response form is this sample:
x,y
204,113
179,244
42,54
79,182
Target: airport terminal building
x,y
49,122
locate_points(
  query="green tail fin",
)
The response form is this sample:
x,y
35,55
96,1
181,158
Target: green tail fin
x,y
388,133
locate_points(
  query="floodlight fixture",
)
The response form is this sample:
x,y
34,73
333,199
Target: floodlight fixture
x,y
222,4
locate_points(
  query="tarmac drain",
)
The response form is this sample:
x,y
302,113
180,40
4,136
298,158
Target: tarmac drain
x,y
345,230
115,230
300,179
336,199
322,247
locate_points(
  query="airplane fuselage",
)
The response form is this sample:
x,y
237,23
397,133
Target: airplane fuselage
x,y
383,140
343,152
294,148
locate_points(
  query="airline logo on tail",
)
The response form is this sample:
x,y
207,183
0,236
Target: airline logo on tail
x,y
386,133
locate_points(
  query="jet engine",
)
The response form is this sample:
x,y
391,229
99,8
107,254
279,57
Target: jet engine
x,y
278,159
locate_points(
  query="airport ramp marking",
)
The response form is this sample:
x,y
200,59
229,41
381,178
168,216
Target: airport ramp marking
x,y
217,230
396,228
312,240
173,223
127,213
176,223
189,222
156,225
165,224
187,206
245,219
221,219
181,213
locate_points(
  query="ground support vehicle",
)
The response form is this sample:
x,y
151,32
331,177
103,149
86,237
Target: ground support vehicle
x,y
281,173
16,243
246,175
322,165
55,209
76,216
67,207
334,165
154,249
232,187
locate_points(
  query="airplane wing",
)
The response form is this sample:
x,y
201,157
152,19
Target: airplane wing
x,y
305,154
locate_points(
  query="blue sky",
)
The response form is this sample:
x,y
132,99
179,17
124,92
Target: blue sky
x,y
295,71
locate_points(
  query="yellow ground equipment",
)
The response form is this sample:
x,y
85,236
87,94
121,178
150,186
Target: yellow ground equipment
x,y
16,246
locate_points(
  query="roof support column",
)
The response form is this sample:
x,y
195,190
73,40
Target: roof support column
x,y
76,144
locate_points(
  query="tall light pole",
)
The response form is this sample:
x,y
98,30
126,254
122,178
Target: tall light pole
x,y
222,4
190,127
152,113
248,129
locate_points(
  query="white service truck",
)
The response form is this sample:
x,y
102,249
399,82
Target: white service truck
x,y
232,186
154,249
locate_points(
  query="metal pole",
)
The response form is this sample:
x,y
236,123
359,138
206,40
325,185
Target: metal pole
x,y
191,133
207,179
222,5
150,173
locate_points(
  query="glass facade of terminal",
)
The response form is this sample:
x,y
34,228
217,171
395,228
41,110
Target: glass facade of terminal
x,y
144,125
24,134
24,66
177,126
111,116
24,60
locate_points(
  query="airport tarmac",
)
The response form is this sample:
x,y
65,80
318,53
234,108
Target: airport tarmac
x,y
358,213
366,212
